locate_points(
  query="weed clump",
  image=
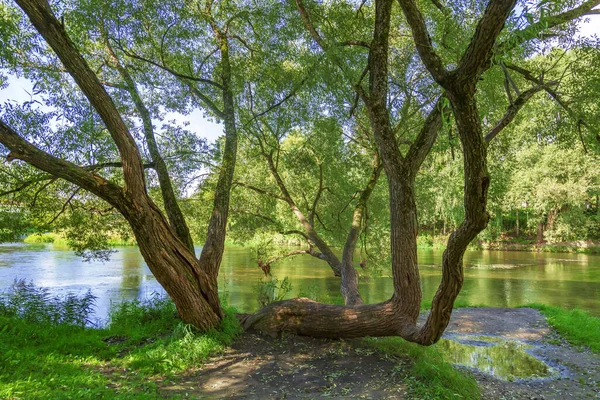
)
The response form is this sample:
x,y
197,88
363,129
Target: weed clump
x,y
34,304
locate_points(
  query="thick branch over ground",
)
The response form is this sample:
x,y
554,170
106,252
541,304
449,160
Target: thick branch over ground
x,y
398,315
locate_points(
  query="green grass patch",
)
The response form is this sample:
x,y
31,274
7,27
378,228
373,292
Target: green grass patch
x,y
47,352
576,326
431,377
59,240
459,303
42,238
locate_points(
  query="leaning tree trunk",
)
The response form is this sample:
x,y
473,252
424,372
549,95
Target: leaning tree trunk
x,y
398,315
193,290
191,284
349,284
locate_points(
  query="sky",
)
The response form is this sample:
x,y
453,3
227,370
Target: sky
x,y
19,90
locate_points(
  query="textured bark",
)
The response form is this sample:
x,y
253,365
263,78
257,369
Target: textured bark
x,y
398,316
174,214
326,253
349,284
212,252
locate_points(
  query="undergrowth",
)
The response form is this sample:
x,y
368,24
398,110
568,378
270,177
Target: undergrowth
x,y
46,351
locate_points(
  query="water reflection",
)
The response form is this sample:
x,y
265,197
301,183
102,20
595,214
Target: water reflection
x,y
504,359
492,278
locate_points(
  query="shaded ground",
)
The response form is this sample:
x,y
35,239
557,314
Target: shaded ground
x,y
304,368
259,367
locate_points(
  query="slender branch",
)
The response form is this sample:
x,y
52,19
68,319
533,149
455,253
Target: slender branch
x,y
422,145
423,42
205,99
313,209
534,30
64,207
259,190
359,43
170,70
557,97
309,25
514,108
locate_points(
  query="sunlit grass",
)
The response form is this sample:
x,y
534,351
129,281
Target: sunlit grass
x,y
576,326
429,375
144,343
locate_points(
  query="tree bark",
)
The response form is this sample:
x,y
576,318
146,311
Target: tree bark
x,y
326,253
398,316
190,283
349,284
174,214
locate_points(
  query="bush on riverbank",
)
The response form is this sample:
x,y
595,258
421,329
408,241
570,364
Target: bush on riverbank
x,y
59,240
427,241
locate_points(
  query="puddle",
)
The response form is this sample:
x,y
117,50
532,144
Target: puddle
x,y
504,359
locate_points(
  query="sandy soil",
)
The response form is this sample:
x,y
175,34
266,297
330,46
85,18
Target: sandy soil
x,y
304,368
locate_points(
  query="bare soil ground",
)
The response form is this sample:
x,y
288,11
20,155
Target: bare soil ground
x,y
257,367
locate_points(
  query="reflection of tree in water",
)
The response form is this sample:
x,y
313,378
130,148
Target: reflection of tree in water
x,y
504,359
131,275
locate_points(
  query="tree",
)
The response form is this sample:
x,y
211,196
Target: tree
x,y
190,282
398,315
375,67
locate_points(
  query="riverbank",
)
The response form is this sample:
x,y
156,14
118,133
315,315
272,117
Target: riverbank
x,y
426,241
145,352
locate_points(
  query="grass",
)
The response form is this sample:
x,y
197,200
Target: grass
x,y
46,352
430,376
576,326
58,240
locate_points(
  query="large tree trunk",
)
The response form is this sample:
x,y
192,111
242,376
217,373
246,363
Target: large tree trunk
x,y
398,316
175,267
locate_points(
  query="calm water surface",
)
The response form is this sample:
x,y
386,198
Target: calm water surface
x,y
492,278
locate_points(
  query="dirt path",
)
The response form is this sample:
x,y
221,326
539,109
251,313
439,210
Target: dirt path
x,y
259,367
304,368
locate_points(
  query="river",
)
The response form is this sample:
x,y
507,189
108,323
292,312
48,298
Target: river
x,y
492,278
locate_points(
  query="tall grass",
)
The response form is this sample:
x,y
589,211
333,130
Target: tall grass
x,y
34,304
46,350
